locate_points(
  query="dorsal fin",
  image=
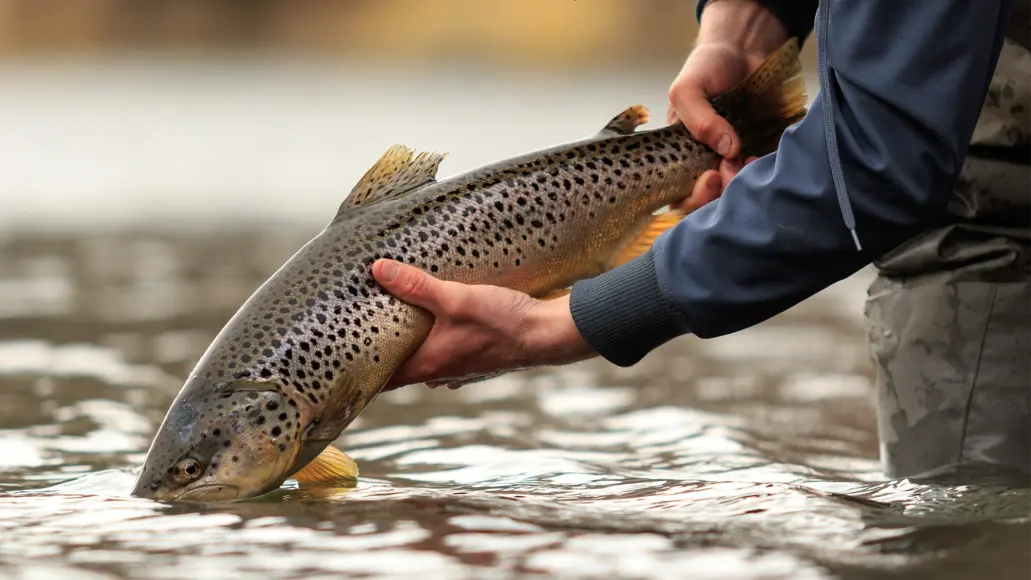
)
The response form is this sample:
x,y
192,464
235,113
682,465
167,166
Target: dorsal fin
x,y
399,170
626,122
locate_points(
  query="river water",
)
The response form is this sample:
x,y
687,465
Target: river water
x,y
144,200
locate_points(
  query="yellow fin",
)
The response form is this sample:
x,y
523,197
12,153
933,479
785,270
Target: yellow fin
x,y
331,465
399,170
763,105
646,237
555,294
630,119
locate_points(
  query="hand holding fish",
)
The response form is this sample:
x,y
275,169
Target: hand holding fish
x,y
479,329
735,38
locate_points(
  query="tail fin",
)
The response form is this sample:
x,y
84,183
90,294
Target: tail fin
x,y
767,102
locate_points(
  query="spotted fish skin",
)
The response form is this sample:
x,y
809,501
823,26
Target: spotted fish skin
x,y
316,343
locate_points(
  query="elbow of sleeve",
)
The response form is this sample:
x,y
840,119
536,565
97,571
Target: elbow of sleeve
x,y
900,173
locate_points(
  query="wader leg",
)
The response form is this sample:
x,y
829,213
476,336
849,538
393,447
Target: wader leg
x,y
953,361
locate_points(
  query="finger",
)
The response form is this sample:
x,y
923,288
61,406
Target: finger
x,y
729,169
404,376
425,364
708,187
693,108
411,284
671,115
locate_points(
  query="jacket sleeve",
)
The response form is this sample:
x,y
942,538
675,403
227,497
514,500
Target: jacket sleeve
x,y
909,80
797,16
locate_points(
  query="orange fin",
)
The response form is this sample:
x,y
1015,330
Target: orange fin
x,y
646,237
555,294
628,121
332,465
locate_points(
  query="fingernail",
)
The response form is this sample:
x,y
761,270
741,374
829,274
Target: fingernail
x,y
723,146
389,271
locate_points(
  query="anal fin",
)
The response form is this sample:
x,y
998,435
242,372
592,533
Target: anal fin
x,y
554,294
637,246
332,465
644,240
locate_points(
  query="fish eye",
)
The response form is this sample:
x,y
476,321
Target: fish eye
x,y
189,469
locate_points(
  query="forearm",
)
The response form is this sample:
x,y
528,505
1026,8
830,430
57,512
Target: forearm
x,y
910,82
792,18
744,24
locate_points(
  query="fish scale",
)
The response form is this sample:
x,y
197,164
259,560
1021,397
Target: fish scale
x,y
316,343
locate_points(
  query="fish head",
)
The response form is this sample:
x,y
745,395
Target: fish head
x,y
233,441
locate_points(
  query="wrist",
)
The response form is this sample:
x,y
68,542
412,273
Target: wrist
x,y
746,25
553,338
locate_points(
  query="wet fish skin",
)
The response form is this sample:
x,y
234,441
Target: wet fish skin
x,y
316,343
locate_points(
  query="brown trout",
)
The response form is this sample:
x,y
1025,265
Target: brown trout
x,y
316,343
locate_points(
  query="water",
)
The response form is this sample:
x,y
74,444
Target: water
x,y
144,201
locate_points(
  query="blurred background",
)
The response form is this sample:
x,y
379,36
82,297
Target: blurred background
x,y
548,34
185,112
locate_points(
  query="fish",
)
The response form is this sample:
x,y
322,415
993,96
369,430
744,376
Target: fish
x,y
319,339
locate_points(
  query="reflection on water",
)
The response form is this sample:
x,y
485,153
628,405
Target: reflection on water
x,y
745,456
752,455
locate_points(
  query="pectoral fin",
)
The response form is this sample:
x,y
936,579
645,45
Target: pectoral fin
x,y
332,465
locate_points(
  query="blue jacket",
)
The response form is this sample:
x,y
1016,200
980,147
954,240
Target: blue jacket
x,y
907,81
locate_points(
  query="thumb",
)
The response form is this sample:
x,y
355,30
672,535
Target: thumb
x,y
409,283
694,109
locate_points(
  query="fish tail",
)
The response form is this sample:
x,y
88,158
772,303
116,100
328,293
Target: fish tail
x,y
767,102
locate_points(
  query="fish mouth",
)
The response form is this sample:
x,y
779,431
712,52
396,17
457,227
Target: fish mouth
x,y
213,492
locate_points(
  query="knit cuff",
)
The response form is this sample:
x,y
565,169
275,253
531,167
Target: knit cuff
x,y
623,314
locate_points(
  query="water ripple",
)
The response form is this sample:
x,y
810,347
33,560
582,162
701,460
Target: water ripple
x,y
710,459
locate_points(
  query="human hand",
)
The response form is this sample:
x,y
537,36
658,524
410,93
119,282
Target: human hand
x,y
734,38
478,329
